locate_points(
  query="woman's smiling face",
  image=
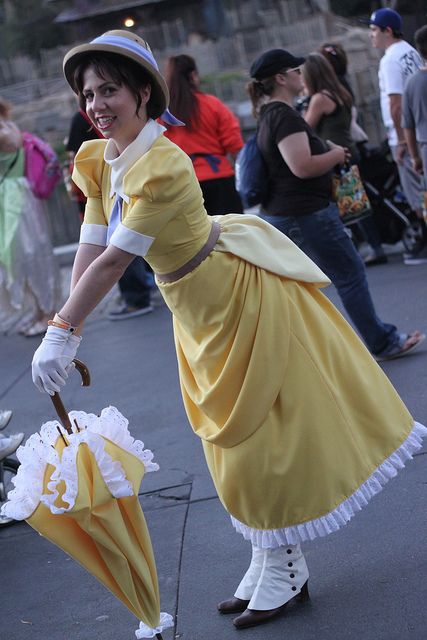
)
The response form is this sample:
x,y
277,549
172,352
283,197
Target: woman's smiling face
x,y
112,108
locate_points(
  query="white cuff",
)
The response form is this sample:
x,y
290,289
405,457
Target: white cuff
x,y
93,234
131,241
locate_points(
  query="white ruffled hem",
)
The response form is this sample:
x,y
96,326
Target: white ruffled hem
x,y
273,538
39,451
145,631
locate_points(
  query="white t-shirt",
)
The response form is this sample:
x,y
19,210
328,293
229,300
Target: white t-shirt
x,y
398,63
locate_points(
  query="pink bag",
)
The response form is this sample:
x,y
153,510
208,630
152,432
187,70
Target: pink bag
x,y
42,168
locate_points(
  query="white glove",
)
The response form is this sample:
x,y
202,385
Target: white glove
x,y
52,360
70,350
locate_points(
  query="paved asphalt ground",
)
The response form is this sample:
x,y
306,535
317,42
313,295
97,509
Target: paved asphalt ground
x,y
368,581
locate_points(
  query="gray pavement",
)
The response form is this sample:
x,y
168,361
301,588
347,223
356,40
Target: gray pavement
x,y
368,581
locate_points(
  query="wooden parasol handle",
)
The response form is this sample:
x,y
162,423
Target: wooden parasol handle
x,y
57,402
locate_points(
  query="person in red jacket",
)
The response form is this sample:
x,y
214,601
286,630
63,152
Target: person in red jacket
x,y
211,136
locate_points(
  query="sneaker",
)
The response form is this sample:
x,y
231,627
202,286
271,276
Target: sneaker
x,y
407,343
129,312
10,444
5,417
416,257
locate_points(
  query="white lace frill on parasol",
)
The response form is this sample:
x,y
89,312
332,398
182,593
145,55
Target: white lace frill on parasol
x,y
144,631
39,451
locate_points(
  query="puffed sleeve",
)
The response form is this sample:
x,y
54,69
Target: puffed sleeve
x,y
169,188
87,175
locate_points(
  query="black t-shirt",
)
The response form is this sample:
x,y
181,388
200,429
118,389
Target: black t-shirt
x,y
80,131
289,195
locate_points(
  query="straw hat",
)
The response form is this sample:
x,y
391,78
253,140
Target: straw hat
x,y
128,45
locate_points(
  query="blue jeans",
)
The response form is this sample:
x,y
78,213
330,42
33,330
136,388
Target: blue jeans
x,y
322,236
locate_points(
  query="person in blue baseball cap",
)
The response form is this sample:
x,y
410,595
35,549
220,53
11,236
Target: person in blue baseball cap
x,y
386,19
399,62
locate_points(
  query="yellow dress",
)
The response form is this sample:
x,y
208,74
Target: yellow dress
x,y
300,427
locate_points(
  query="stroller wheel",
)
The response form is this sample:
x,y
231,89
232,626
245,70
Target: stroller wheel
x,y
412,235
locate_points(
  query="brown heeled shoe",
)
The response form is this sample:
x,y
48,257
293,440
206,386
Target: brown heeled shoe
x,y
233,605
253,618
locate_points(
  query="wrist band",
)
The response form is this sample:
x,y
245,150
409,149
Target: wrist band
x,y
67,327
63,324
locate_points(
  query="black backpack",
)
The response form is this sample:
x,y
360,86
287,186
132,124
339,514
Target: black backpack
x,y
251,174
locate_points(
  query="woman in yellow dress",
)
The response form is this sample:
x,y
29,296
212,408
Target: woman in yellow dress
x,y
300,427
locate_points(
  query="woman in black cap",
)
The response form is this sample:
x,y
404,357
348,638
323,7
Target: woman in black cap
x,y
272,376
299,171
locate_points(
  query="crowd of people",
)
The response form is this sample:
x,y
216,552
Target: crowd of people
x,y
29,277
244,290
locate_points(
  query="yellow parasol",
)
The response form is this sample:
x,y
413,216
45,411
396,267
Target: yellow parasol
x,y
78,486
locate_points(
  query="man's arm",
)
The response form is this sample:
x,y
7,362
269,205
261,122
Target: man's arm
x,y
396,115
411,141
409,127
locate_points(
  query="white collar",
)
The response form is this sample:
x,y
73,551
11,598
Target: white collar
x,y
121,163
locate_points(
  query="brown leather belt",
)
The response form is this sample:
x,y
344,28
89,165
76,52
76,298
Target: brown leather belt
x,y
196,260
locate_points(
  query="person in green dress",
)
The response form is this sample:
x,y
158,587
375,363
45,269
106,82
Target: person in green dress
x,y
29,274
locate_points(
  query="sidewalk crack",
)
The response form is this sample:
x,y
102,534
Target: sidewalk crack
x,y
181,553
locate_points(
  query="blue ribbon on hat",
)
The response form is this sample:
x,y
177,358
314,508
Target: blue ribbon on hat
x,y
133,46
115,218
